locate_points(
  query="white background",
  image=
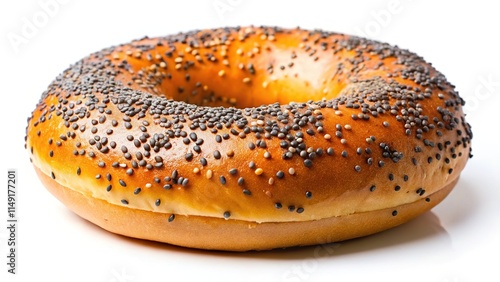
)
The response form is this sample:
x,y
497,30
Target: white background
x,y
458,241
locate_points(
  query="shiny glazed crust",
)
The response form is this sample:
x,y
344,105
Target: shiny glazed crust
x,y
257,125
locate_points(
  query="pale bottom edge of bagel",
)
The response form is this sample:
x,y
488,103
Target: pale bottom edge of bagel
x,y
236,235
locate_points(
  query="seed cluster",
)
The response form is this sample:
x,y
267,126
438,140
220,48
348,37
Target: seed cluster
x,y
130,111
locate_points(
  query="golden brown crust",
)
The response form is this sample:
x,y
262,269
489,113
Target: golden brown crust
x,y
372,126
236,235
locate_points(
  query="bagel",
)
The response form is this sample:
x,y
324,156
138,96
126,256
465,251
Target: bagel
x,y
249,138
